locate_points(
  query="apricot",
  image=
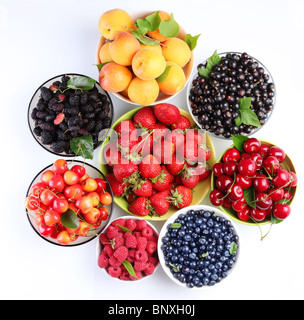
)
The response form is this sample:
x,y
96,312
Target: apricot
x,y
156,48
175,80
104,53
176,50
143,92
123,48
113,22
114,77
156,34
148,64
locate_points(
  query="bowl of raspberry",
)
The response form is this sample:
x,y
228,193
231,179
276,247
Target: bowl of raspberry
x,y
127,249
199,247
69,106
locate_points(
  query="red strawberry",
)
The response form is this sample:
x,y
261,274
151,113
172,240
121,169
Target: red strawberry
x,y
163,151
190,178
144,145
181,197
176,166
203,171
165,170
111,154
167,113
183,123
139,207
143,188
149,167
59,118
118,188
124,170
177,137
160,132
160,202
193,152
161,182
125,127
145,118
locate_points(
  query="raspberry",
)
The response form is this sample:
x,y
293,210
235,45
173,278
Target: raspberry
x,y
120,222
130,224
114,272
119,242
141,255
108,250
154,239
103,261
131,242
149,269
113,261
121,254
112,232
137,234
140,224
151,247
104,239
147,232
141,243
140,266
138,275
125,276
153,260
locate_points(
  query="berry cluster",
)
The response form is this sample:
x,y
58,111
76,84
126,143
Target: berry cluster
x,y
129,249
215,100
62,114
254,183
66,194
200,248
160,166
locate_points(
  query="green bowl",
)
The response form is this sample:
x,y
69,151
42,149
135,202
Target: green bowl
x,y
287,164
199,192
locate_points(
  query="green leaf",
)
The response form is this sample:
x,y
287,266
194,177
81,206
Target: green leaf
x,y
101,65
169,28
83,146
154,20
129,268
124,229
175,226
191,41
233,248
247,116
249,196
145,40
143,25
70,219
82,83
274,220
238,141
164,75
214,60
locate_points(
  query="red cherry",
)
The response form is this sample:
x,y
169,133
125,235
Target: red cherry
x,y
216,197
252,145
224,182
236,192
80,170
218,169
281,211
260,183
243,181
244,215
230,167
271,165
258,214
247,167
239,205
227,203
231,154
264,150
294,179
281,179
263,201
287,194
257,158
276,194
277,152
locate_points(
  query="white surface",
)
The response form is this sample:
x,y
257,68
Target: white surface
x,y
40,39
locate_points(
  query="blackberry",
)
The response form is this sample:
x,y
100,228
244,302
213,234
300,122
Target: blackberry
x,y
59,146
65,78
52,102
46,137
87,108
33,114
90,115
60,135
107,122
73,121
40,106
98,126
41,114
57,107
50,118
83,132
63,126
91,125
46,94
74,128
84,98
102,115
74,100
47,127
37,131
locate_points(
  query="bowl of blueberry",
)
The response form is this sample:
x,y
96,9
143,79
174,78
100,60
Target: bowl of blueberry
x,y
231,93
198,247
69,106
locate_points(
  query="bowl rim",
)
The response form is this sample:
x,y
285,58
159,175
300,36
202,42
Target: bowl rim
x,y
29,120
89,239
227,212
119,96
195,74
106,142
172,219
99,247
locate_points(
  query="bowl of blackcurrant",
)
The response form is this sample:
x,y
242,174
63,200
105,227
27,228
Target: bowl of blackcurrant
x,y
69,106
231,93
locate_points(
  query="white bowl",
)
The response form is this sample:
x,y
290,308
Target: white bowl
x,y
171,221
99,246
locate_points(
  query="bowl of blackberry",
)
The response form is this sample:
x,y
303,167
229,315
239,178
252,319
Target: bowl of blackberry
x,y
198,247
69,106
231,93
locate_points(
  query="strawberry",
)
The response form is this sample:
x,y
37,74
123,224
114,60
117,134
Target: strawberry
x,y
190,178
145,118
125,127
118,188
176,166
163,151
162,181
182,124
177,137
123,171
149,167
203,171
139,207
143,188
167,113
181,197
160,202
160,132
111,154
193,152
165,170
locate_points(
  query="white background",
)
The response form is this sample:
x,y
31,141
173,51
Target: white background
x,y
40,39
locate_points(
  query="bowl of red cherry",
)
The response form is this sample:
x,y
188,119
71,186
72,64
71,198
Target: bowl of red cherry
x,y
254,182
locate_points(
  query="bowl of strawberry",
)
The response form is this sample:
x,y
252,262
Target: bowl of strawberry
x,y
157,161
69,203
254,182
127,249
